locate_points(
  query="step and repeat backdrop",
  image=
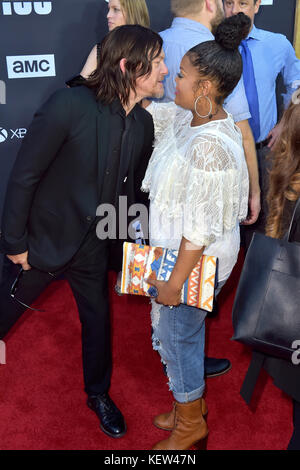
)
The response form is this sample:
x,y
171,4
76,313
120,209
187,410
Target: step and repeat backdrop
x,y
44,43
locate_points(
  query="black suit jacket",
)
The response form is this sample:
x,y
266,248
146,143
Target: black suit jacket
x,y
55,185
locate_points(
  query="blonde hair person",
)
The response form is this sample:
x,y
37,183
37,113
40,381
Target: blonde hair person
x,y
136,12
120,12
188,7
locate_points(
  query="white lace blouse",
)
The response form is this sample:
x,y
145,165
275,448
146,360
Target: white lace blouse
x,y
198,185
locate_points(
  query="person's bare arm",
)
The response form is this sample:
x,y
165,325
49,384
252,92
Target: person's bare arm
x,y
91,63
169,293
251,159
274,134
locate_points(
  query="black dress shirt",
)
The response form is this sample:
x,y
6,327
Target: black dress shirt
x,y
121,138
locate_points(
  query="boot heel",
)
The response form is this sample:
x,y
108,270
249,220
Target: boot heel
x,y
202,444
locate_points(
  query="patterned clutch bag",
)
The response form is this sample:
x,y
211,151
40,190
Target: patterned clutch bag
x,y
147,262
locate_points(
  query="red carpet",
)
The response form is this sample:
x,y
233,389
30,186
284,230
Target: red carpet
x,y
42,403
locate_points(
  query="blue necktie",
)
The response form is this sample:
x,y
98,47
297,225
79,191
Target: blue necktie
x,y
250,89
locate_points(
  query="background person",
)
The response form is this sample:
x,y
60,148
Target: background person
x,y
284,190
265,56
120,12
198,183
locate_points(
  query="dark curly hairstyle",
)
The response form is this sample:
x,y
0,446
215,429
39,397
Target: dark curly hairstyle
x,y
220,59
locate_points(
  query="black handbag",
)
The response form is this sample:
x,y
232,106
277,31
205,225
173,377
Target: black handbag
x,y
266,310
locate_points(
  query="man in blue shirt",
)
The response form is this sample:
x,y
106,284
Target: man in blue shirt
x,y
271,54
194,22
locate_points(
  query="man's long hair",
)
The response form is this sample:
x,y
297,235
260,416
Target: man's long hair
x,y
285,174
139,46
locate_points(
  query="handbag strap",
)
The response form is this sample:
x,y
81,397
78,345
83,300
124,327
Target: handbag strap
x,y
252,375
296,215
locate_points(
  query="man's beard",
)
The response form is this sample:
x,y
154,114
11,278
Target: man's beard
x,y
158,94
218,18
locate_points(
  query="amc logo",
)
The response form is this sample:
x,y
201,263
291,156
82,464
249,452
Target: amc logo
x,y
26,8
30,66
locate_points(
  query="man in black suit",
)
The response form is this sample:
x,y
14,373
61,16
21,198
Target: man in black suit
x,y
86,146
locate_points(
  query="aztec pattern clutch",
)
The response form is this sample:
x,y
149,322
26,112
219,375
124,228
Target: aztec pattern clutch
x,y
147,262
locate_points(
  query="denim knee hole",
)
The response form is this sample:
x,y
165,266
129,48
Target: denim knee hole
x,y
157,347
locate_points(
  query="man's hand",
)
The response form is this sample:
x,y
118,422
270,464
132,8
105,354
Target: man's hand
x,y
20,259
167,295
274,134
253,209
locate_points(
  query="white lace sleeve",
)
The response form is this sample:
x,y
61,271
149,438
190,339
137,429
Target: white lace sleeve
x,y
163,115
217,189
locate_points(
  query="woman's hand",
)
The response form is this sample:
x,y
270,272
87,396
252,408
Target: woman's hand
x,y
167,294
254,208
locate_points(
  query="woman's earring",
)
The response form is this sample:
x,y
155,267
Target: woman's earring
x,y
209,115
296,97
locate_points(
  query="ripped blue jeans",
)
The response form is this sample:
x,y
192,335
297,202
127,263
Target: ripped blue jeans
x,y
179,337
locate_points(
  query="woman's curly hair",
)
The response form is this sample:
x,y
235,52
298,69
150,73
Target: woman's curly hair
x,y
284,182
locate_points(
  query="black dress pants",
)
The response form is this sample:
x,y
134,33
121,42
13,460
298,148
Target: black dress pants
x,y
87,275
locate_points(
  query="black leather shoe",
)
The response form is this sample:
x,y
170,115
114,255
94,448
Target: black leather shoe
x,y
111,418
214,367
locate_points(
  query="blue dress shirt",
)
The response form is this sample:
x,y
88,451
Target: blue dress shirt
x,y
178,39
272,54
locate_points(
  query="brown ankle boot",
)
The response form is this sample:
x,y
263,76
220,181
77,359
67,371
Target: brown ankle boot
x,y
166,421
190,428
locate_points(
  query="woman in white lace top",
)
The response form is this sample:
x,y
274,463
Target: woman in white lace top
x,y
197,181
